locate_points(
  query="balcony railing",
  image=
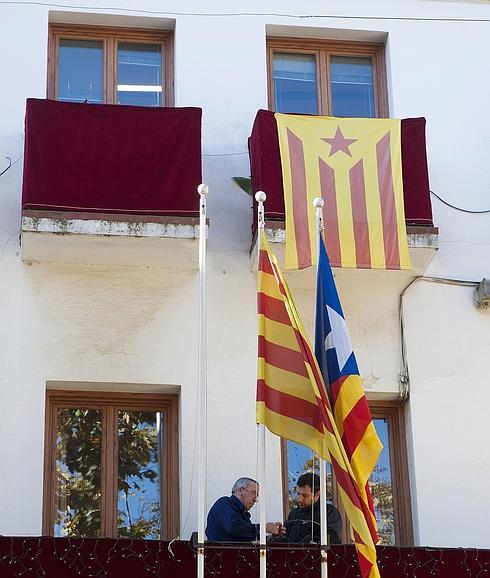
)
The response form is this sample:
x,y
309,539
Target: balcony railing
x,y
104,171
109,558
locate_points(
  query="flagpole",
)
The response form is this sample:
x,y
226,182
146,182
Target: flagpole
x,y
202,384
318,204
260,197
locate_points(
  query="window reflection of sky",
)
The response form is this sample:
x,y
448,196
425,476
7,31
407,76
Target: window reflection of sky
x,y
80,71
295,83
384,465
299,455
143,499
139,64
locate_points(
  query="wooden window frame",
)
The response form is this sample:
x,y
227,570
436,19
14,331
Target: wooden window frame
x,y
323,51
110,36
393,412
111,402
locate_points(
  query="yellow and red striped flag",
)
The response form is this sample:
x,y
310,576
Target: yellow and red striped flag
x,y
292,401
355,165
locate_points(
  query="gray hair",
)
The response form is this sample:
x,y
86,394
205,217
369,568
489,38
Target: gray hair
x,y
242,483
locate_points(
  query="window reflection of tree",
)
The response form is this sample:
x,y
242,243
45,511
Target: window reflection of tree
x,y
380,484
138,465
78,473
382,494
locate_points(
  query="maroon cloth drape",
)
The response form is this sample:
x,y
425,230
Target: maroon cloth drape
x,y
108,558
111,158
416,192
265,164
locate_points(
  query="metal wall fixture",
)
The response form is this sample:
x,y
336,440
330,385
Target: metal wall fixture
x,y
482,294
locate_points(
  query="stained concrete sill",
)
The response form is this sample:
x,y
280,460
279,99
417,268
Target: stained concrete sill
x,y
110,239
423,244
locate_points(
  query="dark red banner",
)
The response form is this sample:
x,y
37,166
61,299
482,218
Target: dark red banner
x,y
111,158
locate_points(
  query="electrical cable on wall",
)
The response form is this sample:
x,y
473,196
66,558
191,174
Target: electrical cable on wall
x,y
404,373
459,208
10,164
241,14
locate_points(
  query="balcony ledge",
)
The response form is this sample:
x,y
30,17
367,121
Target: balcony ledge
x,y
423,244
110,239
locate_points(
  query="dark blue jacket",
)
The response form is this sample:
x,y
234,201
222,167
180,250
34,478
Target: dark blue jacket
x,y
229,522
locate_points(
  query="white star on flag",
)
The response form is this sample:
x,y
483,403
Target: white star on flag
x,y
338,338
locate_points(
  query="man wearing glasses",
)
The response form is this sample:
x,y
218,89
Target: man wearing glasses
x,y
229,518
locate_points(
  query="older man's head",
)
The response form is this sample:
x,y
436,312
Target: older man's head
x,y
247,491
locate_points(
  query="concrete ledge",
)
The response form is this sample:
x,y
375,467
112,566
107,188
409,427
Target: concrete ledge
x,y
423,243
110,224
110,239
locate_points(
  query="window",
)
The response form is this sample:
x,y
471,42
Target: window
x,y
327,78
389,480
110,65
111,465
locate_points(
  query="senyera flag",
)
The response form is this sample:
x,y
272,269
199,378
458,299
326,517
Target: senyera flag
x,y
338,365
355,165
292,401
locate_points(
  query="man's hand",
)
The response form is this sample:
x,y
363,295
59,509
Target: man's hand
x,y
273,528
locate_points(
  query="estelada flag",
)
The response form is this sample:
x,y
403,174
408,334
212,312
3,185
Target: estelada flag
x,y
338,365
355,165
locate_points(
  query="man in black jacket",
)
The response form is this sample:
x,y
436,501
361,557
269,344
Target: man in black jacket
x,y
303,523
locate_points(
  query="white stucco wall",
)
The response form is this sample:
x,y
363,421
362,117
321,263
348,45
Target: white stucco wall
x,y
120,324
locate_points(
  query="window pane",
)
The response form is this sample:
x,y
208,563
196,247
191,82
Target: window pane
x,y
295,88
352,86
139,510
139,74
300,460
382,488
80,75
78,470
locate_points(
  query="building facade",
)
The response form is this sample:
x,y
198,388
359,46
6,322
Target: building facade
x,y
99,309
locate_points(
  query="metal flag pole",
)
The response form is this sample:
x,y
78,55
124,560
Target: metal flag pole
x,y
202,384
318,204
260,197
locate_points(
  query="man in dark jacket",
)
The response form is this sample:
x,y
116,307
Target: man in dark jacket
x,y
229,518
303,523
